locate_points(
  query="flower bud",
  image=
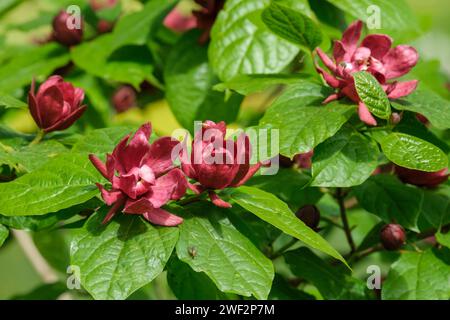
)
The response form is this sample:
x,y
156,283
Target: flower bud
x,y
104,26
310,215
124,98
422,178
395,118
56,105
304,160
392,236
63,31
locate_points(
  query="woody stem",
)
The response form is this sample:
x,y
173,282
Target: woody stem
x,y
348,233
39,136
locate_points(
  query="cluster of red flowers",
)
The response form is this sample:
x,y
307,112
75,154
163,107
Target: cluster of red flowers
x,y
144,177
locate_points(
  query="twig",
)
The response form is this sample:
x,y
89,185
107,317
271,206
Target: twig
x,y
41,266
348,233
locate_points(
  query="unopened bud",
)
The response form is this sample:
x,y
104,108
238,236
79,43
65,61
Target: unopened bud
x,y
124,98
66,32
392,236
310,215
395,118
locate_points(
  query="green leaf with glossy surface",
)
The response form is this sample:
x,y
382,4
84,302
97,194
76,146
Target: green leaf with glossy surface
x,y
117,259
301,119
242,44
274,211
38,62
32,157
372,94
209,243
63,182
443,238
424,101
385,196
333,282
9,102
395,17
120,55
413,153
418,276
252,83
187,284
102,141
189,80
344,160
292,25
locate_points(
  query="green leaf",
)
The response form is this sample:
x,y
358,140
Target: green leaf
x,y
289,186
46,221
274,211
426,102
418,276
344,160
63,182
189,80
32,157
282,290
302,120
117,259
187,284
4,233
9,102
44,292
209,243
242,44
385,196
372,94
101,141
54,247
396,18
443,238
435,209
332,282
413,153
292,25
117,55
38,62
252,83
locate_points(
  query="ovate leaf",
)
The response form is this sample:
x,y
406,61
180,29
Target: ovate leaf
x,y
413,153
385,196
334,283
242,44
302,121
9,102
117,259
274,211
189,80
418,276
372,94
101,141
292,26
344,160
426,102
63,182
209,243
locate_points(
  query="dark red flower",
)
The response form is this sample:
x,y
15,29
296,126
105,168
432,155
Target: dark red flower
x,y
375,55
64,33
422,178
97,5
217,163
57,104
124,98
143,178
304,160
392,236
179,22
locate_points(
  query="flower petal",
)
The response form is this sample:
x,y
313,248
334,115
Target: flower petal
x,y
365,115
399,61
326,60
112,212
99,165
50,82
109,197
215,199
67,121
159,157
403,89
351,36
379,44
171,186
162,217
50,104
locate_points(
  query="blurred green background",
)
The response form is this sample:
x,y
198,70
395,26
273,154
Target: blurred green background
x,y
17,275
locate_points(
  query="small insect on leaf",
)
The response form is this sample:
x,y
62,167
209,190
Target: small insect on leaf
x,y
192,251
